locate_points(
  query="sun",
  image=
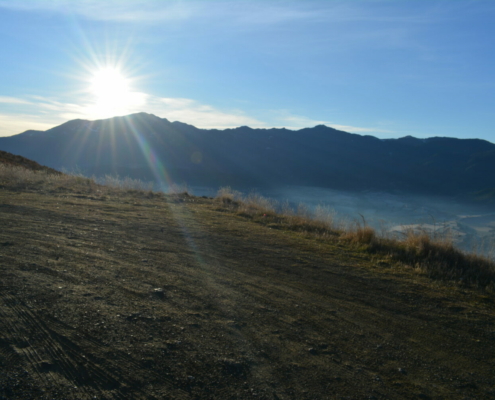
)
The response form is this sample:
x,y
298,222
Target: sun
x,y
111,92
109,84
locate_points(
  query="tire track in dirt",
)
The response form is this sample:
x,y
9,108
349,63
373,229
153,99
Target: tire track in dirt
x,y
54,359
16,334
7,353
61,347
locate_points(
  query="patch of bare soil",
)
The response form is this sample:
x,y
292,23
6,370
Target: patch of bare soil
x,y
127,297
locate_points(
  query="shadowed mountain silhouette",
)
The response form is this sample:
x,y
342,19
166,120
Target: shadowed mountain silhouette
x,y
148,147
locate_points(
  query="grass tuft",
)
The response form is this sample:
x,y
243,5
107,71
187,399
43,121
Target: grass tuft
x,y
360,235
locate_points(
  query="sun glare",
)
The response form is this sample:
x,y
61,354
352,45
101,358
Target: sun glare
x,y
109,84
112,93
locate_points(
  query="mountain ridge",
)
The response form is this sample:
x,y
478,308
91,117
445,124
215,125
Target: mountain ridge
x,y
144,146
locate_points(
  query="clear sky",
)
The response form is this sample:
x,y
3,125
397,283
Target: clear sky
x,y
384,68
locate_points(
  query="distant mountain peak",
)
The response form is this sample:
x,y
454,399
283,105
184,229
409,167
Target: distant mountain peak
x,y
139,114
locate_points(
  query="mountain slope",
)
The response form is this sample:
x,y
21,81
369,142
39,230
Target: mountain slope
x,y
19,161
152,148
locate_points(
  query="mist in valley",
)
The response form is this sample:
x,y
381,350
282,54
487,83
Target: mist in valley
x,y
470,227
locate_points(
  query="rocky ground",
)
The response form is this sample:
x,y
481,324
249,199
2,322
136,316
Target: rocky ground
x,y
141,296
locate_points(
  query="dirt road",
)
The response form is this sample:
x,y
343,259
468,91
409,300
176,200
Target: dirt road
x,y
129,297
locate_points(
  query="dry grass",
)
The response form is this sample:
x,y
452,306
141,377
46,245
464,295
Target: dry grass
x,y
126,183
228,196
435,255
439,259
360,235
45,180
22,178
274,215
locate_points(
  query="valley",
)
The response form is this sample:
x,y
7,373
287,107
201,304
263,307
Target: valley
x,y
471,227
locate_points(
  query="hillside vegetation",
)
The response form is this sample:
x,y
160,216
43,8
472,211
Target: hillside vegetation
x,y
112,292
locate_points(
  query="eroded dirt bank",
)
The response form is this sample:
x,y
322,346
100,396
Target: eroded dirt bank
x,y
143,298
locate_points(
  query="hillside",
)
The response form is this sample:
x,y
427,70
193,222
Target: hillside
x,y
147,147
124,294
19,161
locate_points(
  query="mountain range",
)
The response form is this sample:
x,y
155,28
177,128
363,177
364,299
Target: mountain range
x,y
151,148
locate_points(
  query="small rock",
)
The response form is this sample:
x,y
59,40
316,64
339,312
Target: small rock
x,y
312,350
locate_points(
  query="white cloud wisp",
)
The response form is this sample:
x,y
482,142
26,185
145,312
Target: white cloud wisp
x,y
41,113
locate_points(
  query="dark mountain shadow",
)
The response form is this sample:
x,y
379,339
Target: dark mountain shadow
x,y
148,147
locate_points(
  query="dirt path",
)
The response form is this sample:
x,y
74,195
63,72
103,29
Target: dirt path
x,y
120,298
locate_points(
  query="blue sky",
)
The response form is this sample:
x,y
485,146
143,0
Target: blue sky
x,y
384,68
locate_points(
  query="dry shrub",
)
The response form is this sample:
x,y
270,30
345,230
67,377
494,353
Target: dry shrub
x,y
325,214
440,259
423,245
360,235
320,223
228,196
286,209
435,256
256,205
303,211
253,205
